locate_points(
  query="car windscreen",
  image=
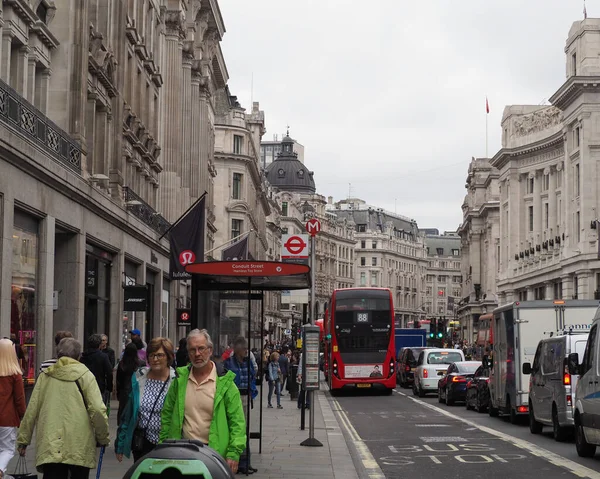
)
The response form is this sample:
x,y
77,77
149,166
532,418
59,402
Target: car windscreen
x,y
443,357
467,368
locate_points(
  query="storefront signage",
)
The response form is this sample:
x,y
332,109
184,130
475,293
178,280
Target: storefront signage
x,y
184,317
247,268
135,298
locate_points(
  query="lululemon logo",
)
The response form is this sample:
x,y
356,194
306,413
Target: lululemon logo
x,y
187,257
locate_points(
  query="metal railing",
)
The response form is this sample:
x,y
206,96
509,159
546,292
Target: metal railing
x,y
23,118
144,212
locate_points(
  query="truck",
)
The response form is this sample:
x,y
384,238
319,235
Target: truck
x,y
518,327
409,337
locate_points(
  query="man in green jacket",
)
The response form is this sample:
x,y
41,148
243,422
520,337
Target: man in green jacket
x,y
203,403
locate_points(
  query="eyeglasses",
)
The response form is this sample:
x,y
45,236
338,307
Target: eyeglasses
x,y
157,356
201,349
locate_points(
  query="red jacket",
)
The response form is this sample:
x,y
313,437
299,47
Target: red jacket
x,y
12,400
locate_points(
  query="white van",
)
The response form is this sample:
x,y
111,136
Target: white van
x,y
587,395
551,386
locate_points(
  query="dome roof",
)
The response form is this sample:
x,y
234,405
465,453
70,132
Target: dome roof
x,y
288,173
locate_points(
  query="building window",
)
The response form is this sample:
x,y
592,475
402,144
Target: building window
x,y
439,251
363,279
237,144
237,186
98,264
374,261
576,137
361,228
363,261
531,218
530,185
546,182
284,231
576,180
559,178
373,279
374,245
236,228
363,244
23,319
441,292
546,215
578,226
455,252
574,64
284,208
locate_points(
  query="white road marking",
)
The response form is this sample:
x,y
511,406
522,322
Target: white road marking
x,y
443,439
431,425
369,463
533,449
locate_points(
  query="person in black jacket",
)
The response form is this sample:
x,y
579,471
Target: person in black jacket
x,y
106,349
98,363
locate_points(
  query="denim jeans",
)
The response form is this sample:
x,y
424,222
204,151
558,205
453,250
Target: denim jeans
x,y
277,386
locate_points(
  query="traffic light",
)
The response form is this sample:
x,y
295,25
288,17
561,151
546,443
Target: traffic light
x,y
431,335
440,335
328,337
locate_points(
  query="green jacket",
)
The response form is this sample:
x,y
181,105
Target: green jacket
x,y
67,430
227,434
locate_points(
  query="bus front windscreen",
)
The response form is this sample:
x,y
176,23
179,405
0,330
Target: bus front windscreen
x,y
363,326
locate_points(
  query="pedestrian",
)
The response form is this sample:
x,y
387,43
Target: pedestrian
x,y
284,365
12,401
140,425
182,357
106,349
99,364
128,365
69,416
274,373
245,380
203,403
57,339
136,338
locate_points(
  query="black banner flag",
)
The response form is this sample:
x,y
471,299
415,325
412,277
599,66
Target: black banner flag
x,y
237,251
187,241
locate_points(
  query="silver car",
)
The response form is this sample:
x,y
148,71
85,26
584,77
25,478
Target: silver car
x,y
431,366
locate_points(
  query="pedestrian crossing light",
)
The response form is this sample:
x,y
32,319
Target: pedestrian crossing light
x,y
431,335
328,337
440,335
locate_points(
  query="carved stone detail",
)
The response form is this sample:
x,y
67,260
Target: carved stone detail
x,y
560,165
188,51
174,22
537,121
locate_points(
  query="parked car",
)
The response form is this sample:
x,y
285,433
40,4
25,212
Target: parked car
x,y
407,364
431,366
551,387
453,385
478,391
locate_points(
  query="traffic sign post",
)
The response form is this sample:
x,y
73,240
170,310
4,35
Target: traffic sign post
x,y
313,226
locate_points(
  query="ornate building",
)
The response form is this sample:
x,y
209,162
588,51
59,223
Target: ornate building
x,y
297,198
480,239
389,252
547,173
106,135
443,277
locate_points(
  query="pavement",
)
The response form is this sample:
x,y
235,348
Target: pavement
x,y
282,455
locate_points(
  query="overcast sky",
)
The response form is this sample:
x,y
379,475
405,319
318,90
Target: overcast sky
x,y
388,96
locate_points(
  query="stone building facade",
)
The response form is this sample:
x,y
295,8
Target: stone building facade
x,y
544,242
106,136
443,278
480,240
389,253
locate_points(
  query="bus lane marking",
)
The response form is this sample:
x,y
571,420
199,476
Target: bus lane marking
x,y
527,446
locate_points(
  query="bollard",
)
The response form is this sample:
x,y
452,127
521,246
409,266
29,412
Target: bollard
x,y
293,383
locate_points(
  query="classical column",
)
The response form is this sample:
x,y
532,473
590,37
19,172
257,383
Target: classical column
x,y
567,286
196,189
101,140
31,67
18,77
186,120
171,116
7,38
537,208
549,293
6,259
44,299
584,284
42,81
90,127
551,232
204,133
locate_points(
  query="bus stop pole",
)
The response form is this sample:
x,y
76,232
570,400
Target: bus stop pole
x,y
313,267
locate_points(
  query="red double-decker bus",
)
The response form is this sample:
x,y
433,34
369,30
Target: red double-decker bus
x,y
359,350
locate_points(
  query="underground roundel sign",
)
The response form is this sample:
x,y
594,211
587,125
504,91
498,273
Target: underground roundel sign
x,y
294,247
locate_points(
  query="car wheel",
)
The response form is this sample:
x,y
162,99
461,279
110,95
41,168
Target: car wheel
x,y
440,398
467,403
421,392
560,434
535,427
584,449
414,388
449,399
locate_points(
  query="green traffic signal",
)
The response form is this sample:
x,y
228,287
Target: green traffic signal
x,y
431,335
328,337
440,335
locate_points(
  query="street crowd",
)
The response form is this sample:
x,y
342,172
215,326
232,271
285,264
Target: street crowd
x,y
163,393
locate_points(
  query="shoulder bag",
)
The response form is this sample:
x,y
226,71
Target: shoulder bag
x,y
139,433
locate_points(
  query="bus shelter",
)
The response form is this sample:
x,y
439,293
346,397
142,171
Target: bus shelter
x,y
247,280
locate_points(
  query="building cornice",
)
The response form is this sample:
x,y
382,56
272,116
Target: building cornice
x,y
574,87
505,155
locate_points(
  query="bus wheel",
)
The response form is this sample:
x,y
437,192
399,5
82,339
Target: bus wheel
x,y
388,392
